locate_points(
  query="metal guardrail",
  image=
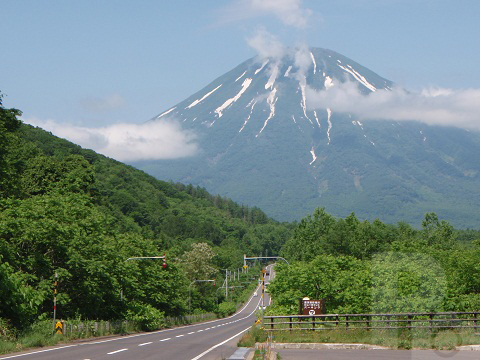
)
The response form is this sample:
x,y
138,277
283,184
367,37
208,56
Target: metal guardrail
x,y
431,321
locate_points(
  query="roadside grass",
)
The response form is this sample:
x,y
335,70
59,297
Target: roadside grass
x,y
394,339
253,336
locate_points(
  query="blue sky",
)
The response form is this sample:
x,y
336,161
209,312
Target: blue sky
x,y
96,63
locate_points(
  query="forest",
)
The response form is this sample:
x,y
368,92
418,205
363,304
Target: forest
x,y
73,213
371,267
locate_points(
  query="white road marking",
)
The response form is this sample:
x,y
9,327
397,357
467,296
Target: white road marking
x,y
37,352
116,351
147,343
190,333
132,336
220,344
180,335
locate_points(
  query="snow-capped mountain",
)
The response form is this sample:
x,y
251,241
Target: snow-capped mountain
x,y
263,144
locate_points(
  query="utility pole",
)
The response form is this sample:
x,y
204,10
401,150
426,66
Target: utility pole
x,y
263,292
226,284
55,284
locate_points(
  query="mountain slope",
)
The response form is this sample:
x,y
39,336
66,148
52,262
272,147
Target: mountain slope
x,y
261,144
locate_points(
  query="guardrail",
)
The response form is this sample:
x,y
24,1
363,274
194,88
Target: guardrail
x,y
431,321
84,329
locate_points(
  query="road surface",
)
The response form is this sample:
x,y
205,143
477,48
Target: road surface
x,y
207,341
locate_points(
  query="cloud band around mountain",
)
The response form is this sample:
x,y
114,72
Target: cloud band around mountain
x,y
435,106
128,142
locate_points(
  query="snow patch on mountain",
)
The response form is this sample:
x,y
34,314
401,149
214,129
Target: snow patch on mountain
x,y
241,76
314,63
203,98
261,67
329,115
361,79
313,156
273,77
166,112
316,118
271,100
287,73
251,103
303,102
246,83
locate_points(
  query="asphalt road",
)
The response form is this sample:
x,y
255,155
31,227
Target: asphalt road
x,y
207,341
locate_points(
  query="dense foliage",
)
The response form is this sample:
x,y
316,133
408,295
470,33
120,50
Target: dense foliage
x,y
69,211
364,267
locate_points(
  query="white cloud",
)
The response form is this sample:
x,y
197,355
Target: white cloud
x,y
267,45
303,61
290,12
434,106
107,103
128,142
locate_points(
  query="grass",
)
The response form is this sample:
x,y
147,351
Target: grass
x,y
394,339
250,338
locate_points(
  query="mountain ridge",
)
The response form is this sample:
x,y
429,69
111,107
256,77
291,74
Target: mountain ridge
x,y
262,144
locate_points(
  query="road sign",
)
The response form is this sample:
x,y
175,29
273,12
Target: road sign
x,y
313,307
59,327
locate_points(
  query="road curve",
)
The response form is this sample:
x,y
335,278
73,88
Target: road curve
x,y
215,339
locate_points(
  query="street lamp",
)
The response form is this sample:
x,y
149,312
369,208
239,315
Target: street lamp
x,y
164,257
245,258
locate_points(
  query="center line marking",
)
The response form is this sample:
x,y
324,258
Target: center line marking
x,y
190,333
165,339
180,335
117,351
147,343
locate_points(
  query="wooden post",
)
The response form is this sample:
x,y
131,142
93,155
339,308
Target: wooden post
x,y
313,322
431,322
336,321
475,322
346,322
290,323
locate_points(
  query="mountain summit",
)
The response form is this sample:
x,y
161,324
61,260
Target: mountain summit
x,y
264,145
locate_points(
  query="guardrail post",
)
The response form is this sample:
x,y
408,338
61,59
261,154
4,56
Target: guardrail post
x,y
431,322
475,321
313,322
290,323
346,322
336,321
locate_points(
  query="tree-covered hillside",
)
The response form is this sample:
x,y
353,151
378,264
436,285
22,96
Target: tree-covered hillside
x,y
70,211
372,267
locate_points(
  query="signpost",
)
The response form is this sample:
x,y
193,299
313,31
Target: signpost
x,y
313,307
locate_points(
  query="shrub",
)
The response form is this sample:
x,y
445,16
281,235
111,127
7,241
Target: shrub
x,y
225,309
147,316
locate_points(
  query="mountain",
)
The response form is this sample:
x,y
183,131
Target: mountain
x,y
262,144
